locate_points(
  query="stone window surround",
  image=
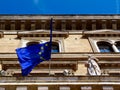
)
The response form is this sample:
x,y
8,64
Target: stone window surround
x,y
24,41
93,41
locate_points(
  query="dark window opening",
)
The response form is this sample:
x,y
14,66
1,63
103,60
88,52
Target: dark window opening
x,y
32,43
118,45
55,47
105,47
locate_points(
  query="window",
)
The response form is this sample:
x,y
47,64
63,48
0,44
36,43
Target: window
x,y
31,43
117,44
55,47
105,47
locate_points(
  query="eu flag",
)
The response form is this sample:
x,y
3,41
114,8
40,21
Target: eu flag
x,y
32,55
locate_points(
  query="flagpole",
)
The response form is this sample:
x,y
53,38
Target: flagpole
x,y
51,27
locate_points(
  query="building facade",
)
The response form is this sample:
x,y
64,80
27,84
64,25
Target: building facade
x,y
75,40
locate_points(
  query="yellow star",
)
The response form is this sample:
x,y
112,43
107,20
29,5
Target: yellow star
x,y
46,44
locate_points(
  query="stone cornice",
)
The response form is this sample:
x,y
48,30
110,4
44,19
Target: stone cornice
x,y
69,56
35,17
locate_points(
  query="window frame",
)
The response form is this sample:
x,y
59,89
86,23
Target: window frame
x,y
118,45
105,47
93,42
26,40
56,46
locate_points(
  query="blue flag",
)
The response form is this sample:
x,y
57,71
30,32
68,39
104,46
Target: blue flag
x,y
32,55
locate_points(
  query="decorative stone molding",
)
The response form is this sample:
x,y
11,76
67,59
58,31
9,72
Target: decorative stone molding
x,y
101,33
41,33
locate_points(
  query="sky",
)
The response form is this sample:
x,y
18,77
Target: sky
x,y
59,7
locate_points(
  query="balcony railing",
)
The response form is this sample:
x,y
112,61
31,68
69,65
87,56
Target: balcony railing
x,y
58,79
60,83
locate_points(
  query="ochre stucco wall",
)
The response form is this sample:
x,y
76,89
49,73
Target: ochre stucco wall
x,y
8,44
82,70
75,43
